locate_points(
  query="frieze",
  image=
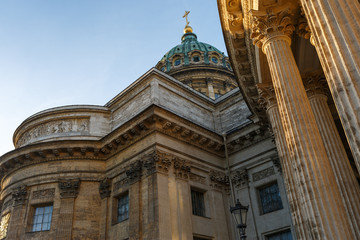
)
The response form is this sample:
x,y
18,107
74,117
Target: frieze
x,y
19,195
105,188
263,174
54,127
69,188
46,193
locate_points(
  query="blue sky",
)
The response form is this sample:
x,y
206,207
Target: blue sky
x,y
65,52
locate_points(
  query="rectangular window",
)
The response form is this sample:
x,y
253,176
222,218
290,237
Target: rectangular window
x,y
285,235
123,207
198,203
42,218
270,198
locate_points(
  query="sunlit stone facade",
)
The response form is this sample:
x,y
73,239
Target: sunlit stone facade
x,y
294,80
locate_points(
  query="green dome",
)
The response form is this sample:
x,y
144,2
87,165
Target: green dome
x,y
191,51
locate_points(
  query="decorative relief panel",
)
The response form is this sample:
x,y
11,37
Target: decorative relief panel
x,y
46,193
263,174
69,188
54,127
19,195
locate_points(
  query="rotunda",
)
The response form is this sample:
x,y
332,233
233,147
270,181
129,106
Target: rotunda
x,y
199,65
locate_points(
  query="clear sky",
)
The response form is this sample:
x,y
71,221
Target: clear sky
x,y
65,52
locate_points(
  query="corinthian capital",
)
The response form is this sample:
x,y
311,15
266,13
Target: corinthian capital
x,y
315,83
274,22
267,97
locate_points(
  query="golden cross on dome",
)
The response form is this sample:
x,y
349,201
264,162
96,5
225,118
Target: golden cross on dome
x,y
186,18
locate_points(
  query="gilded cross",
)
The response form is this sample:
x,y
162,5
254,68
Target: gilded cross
x,y
186,17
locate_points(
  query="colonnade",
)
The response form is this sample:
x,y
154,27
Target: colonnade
x,y
322,190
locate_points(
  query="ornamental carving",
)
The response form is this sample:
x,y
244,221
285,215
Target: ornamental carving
x,y
240,178
267,97
277,164
69,188
263,174
133,171
163,161
303,29
4,225
46,193
269,24
181,168
218,180
54,127
105,188
315,83
19,195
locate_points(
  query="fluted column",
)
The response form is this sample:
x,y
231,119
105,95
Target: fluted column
x,y
268,102
322,205
335,28
315,85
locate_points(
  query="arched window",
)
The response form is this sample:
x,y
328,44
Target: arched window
x,y
177,62
214,59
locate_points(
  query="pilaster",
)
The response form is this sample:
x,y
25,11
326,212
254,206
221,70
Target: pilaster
x,y
321,204
18,213
68,192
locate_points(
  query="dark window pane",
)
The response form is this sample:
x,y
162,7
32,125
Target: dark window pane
x,y
214,59
198,204
123,207
177,62
196,59
270,198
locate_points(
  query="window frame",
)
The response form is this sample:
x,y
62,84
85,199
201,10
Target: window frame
x,y
203,211
33,214
115,207
260,201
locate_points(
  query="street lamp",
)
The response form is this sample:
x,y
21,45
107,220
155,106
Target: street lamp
x,y
240,214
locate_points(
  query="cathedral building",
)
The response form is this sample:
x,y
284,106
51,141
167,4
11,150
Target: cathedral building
x,y
274,126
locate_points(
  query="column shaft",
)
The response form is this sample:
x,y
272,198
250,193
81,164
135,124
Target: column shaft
x,y
320,194
335,26
344,175
293,194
